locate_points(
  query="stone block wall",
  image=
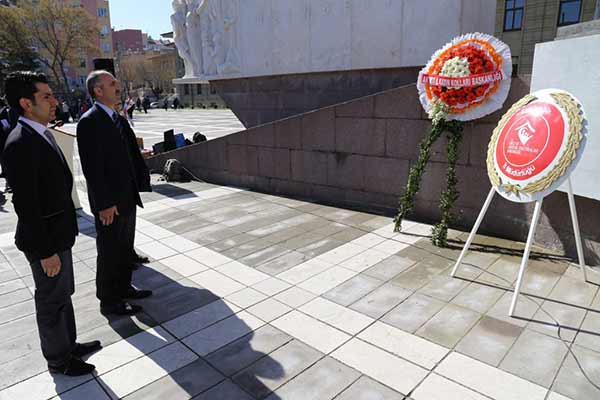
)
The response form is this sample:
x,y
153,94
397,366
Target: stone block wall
x,y
263,99
357,154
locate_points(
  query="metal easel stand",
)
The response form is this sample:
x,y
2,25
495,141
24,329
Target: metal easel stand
x,y
534,221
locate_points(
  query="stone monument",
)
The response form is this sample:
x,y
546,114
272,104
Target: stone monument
x,y
331,50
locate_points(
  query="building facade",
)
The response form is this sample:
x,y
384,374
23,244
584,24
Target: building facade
x,y
523,23
193,95
100,12
199,95
163,71
127,40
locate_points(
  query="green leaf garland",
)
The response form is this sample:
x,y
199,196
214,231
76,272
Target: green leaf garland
x,y
450,195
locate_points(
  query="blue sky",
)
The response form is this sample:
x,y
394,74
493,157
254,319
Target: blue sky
x,y
151,16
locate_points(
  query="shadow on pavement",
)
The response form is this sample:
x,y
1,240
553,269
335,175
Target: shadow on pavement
x,y
197,343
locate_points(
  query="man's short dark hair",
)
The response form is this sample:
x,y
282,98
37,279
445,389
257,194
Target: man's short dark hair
x,y
93,80
22,84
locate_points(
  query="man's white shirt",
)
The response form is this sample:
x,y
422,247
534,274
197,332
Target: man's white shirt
x,y
108,110
39,128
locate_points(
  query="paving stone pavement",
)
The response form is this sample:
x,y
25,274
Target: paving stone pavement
x,y
211,123
264,297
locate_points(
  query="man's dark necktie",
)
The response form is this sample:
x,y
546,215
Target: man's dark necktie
x,y
53,143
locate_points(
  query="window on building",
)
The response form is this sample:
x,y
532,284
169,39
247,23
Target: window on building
x,y
212,89
569,12
104,30
513,15
199,88
186,90
82,63
103,12
106,47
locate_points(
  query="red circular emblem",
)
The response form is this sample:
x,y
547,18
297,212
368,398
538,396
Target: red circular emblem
x,y
530,141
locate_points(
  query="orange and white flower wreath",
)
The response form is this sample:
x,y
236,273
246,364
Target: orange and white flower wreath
x,y
465,80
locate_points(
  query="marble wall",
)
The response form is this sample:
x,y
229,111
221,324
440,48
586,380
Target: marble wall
x,y
224,39
578,74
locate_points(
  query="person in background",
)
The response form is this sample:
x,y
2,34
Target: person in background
x,y
84,107
146,104
73,111
47,224
8,121
65,112
129,107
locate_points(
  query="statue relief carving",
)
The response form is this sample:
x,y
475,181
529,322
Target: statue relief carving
x,y
194,34
205,34
231,63
207,42
178,21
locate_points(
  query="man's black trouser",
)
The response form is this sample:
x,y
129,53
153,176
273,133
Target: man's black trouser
x,y
54,309
113,270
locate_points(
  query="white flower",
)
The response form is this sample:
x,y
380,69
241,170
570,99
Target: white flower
x,y
456,67
438,111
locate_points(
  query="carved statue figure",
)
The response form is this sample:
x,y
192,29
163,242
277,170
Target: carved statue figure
x,y
178,21
194,35
231,63
207,44
206,36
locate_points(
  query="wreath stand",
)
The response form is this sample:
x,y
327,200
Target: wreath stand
x,y
531,234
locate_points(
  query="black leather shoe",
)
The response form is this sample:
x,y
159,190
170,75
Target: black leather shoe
x,y
73,367
134,293
140,259
123,308
83,349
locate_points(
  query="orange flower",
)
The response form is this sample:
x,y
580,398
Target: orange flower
x,y
479,62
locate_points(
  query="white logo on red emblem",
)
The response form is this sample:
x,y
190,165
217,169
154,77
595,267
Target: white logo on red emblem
x,y
525,132
530,141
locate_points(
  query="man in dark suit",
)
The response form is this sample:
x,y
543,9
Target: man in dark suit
x,y
47,224
113,194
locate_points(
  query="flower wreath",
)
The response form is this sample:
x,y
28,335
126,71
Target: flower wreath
x,y
466,79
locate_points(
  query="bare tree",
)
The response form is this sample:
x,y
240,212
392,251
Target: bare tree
x,y
137,71
62,35
134,69
16,52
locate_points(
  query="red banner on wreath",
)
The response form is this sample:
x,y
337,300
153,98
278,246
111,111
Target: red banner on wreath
x,y
465,81
530,141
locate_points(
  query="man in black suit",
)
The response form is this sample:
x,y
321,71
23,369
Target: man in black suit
x,y
47,224
113,194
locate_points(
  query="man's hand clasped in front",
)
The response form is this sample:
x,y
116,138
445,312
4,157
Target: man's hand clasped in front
x,y
51,265
107,216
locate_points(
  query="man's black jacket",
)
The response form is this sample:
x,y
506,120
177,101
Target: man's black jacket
x,y
42,185
107,163
142,174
